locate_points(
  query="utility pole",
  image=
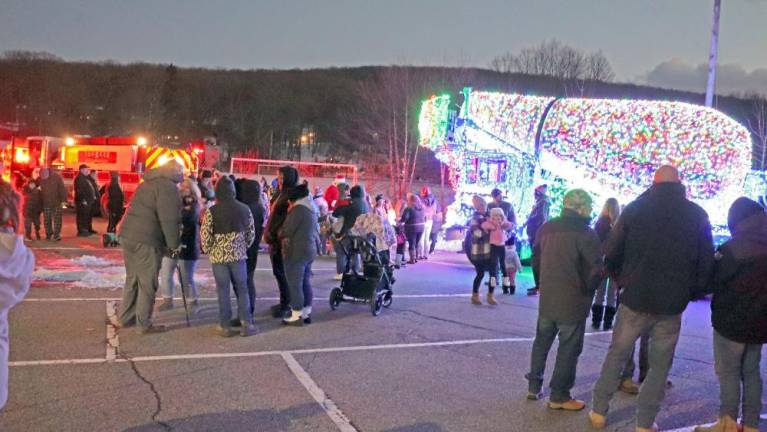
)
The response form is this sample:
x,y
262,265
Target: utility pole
x,y
712,55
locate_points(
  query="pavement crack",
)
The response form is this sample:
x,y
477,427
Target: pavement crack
x,y
460,323
157,398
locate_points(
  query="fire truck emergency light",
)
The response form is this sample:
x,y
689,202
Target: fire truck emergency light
x,y
141,141
69,141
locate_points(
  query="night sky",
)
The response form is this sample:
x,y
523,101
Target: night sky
x,y
662,42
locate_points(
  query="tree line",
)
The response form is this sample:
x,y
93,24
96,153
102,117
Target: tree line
x,y
366,115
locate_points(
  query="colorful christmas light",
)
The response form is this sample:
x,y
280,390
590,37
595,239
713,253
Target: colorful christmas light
x,y
608,147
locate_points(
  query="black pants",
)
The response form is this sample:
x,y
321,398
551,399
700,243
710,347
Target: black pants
x,y
413,238
278,269
31,218
536,273
114,219
52,217
250,265
498,258
481,267
84,218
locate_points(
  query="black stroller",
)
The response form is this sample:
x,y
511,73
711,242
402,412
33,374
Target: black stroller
x,y
373,285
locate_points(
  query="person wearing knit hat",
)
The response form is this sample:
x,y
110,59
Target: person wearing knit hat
x,y
567,254
300,239
739,317
17,263
661,254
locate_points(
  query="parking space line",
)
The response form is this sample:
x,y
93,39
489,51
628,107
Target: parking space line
x,y
203,356
330,408
113,340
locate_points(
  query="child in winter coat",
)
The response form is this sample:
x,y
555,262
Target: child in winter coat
x,y
497,225
16,265
33,207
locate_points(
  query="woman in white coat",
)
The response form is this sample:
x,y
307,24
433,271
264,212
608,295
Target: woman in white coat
x,y
16,266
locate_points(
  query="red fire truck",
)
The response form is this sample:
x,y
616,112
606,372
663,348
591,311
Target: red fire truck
x,y
22,155
130,156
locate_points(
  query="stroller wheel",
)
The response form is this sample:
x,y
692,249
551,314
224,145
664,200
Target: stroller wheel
x,y
376,305
336,296
387,299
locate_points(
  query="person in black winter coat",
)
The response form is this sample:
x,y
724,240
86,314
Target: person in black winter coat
x,y
54,194
739,316
33,206
115,202
85,197
249,193
538,216
605,300
287,178
349,212
414,220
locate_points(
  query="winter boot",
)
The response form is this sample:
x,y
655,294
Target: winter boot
x,y
475,299
506,285
167,304
596,316
491,299
628,386
294,319
725,424
609,315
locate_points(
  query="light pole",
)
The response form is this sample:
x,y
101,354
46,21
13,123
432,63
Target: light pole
x,y
712,55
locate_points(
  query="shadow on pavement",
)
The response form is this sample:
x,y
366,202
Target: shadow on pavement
x,y
266,419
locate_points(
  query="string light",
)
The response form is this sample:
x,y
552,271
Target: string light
x,y
609,147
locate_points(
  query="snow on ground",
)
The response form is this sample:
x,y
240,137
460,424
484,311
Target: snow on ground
x,y
90,272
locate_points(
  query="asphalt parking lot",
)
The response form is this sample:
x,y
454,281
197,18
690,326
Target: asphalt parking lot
x,y
430,363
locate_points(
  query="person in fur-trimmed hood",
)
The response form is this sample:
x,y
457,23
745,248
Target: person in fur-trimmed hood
x,y
739,317
300,240
16,266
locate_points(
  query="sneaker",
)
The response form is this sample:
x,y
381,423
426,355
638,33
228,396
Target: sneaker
x,y
653,428
152,329
225,331
247,329
235,323
532,291
628,386
598,421
724,424
57,238
294,319
571,405
306,314
338,276
534,396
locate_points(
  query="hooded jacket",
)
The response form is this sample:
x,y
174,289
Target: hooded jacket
x,y
227,227
115,196
660,251
357,206
568,256
16,266
154,215
279,207
33,198
85,192
250,195
539,215
300,234
739,305
53,189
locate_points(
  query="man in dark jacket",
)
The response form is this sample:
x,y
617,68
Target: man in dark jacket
x,y
54,195
661,254
115,202
568,257
287,178
151,227
249,193
538,216
739,316
85,196
349,213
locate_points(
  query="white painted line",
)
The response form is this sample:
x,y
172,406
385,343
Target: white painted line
x,y
330,408
407,345
113,340
57,362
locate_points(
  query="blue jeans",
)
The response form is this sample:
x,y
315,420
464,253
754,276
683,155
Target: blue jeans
x,y
570,347
232,274
341,260
663,331
738,364
186,270
299,275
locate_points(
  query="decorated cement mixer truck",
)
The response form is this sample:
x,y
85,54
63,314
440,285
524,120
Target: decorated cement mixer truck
x,y
609,147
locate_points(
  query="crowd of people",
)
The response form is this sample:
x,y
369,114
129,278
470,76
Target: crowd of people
x,y
638,267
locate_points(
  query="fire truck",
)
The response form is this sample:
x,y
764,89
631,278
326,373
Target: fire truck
x,y
22,155
130,156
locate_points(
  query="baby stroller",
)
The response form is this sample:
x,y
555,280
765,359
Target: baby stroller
x,y
373,285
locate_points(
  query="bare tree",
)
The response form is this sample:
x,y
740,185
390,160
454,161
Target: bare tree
x,y
598,68
504,63
756,119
